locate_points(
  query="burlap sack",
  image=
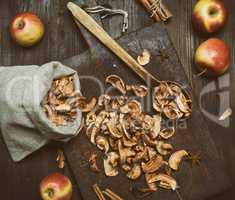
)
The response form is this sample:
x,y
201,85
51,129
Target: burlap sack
x,y
24,126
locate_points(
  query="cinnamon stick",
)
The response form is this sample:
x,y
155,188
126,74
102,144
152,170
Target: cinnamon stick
x,y
98,192
158,10
112,195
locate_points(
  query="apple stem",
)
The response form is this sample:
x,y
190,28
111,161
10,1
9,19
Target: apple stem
x,y
202,72
21,25
50,192
213,11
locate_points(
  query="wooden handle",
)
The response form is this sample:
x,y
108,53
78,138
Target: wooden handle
x,y
90,24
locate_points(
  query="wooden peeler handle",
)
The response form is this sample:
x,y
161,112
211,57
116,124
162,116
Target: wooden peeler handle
x,y
90,24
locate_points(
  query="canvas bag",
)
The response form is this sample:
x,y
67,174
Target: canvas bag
x,y
24,125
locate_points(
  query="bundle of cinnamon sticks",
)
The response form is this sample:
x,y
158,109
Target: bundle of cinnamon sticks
x,y
158,10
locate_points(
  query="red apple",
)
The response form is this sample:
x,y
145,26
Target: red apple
x,y
27,29
209,15
213,57
56,186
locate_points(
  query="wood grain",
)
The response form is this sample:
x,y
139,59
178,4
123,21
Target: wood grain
x,y
63,40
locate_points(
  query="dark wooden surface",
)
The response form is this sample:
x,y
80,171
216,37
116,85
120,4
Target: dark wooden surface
x,y
62,40
194,182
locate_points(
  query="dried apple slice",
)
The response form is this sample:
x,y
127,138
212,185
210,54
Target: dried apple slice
x,y
117,83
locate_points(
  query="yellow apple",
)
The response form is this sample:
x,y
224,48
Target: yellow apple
x,y
209,15
27,29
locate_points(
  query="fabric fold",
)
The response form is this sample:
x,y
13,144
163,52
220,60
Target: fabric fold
x,y
24,125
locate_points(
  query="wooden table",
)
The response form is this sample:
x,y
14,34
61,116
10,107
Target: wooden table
x,y
62,40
